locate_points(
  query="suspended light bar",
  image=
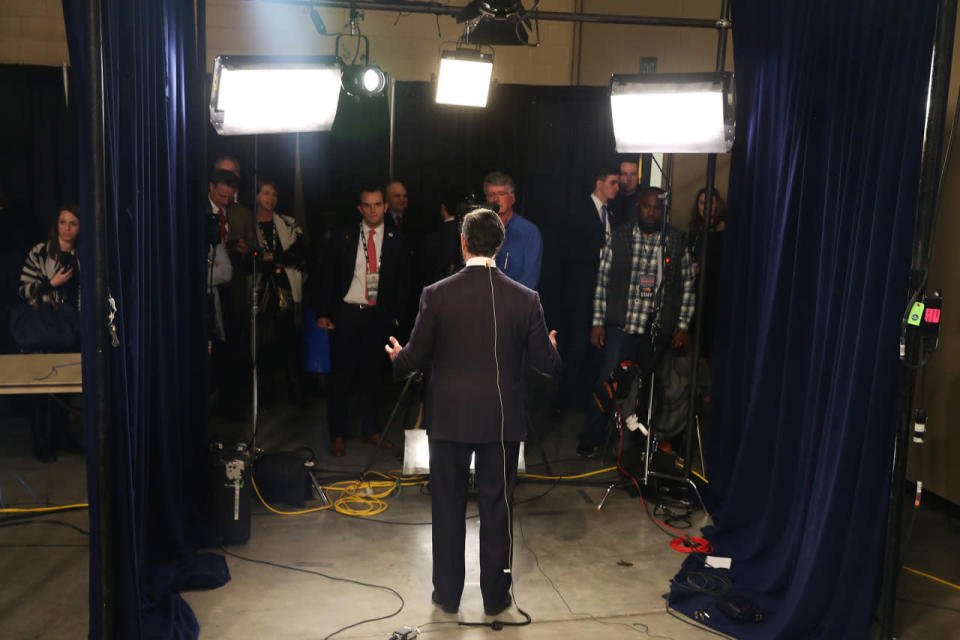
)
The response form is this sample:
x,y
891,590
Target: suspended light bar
x,y
672,112
464,78
265,94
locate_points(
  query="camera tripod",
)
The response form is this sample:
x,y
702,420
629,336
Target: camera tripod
x,y
623,415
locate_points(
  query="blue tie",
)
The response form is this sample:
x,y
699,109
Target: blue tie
x,y
603,216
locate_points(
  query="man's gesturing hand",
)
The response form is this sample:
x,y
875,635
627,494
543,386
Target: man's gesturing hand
x,y
393,349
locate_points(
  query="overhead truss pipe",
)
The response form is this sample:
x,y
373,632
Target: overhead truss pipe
x,y
436,8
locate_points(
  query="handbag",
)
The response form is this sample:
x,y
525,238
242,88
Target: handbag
x,y
46,327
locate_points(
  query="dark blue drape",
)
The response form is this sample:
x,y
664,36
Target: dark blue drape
x,y
154,182
823,190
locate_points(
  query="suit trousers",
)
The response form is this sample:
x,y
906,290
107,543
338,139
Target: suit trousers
x,y
358,361
449,477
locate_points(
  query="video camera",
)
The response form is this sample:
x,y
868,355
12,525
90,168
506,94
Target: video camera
x,y
473,201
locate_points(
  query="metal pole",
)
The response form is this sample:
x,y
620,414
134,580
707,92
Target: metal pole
x,y
927,204
254,309
101,364
436,8
392,103
704,271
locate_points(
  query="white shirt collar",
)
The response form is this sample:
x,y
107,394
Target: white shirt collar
x,y
367,228
481,261
596,202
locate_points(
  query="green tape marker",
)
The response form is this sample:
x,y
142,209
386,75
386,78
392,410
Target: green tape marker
x,y
915,314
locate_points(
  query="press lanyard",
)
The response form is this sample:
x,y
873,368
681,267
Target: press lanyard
x,y
274,238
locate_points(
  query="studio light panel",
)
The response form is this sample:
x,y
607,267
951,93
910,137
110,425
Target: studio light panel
x,y
464,81
260,96
672,113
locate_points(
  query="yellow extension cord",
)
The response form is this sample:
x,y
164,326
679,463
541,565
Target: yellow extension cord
x,y
62,507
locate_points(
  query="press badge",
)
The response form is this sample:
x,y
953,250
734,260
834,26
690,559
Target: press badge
x,y
648,282
373,284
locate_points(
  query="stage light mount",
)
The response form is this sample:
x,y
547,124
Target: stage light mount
x,y
360,79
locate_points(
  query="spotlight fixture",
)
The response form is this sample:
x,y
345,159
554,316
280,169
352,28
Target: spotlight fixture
x,y
497,22
464,77
363,80
672,112
360,79
491,10
274,94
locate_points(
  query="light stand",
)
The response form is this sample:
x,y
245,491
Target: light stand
x,y
254,308
648,472
927,204
709,99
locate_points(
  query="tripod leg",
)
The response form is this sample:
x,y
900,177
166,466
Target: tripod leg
x,y
699,497
703,459
605,495
543,450
609,430
389,423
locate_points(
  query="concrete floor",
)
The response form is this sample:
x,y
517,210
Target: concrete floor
x,y
579,572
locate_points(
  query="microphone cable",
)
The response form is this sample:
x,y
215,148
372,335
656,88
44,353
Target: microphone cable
x,y
498,625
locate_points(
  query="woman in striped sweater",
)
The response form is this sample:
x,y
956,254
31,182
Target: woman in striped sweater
x,y
50,272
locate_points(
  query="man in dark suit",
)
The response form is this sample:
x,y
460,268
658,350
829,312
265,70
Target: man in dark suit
x,y
588,227
363,293
440,254
476,334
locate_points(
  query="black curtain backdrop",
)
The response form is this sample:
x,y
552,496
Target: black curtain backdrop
x,y
551,140
38,143
154,182
824,184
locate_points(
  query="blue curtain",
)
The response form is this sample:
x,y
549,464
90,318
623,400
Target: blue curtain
x,y
823,190
154,186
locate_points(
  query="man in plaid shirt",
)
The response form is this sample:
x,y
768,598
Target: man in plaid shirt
x,y
639,267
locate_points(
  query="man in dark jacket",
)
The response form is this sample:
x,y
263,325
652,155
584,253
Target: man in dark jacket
x,y
362,296
476,334
588,226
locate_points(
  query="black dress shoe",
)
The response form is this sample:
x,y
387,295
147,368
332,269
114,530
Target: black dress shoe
x,y
492,611
586,451
446,607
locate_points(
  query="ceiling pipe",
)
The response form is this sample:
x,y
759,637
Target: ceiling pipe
x,y
436,8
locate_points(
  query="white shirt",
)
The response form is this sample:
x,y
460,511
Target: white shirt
x,y
481,261
356,294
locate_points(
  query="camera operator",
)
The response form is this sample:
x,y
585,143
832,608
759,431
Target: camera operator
x,y
440,254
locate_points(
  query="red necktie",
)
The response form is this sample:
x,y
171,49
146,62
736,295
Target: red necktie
x,y
371,260
223,224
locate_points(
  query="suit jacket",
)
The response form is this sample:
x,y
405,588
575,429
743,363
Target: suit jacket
x,y
338,270
439,254
584,238
453,339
